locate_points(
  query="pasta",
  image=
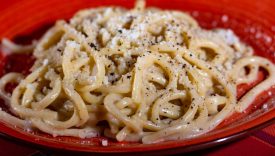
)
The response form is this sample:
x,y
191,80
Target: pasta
x,y
144,74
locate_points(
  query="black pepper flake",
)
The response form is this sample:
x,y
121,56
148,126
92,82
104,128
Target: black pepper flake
x,y
200,129
129,76
59,50
112,74
184,65
92,45
109,66
120,31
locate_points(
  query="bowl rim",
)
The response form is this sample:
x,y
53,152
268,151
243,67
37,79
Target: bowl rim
x,y
180,146
180,149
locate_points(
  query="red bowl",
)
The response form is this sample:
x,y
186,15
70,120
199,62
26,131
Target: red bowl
x,y
252,20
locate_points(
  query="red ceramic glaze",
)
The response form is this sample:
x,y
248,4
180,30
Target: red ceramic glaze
x,y
252,20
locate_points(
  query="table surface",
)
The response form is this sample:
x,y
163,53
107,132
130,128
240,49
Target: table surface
x,y
261,142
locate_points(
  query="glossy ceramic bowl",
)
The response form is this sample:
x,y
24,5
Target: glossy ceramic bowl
x,y
252,20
